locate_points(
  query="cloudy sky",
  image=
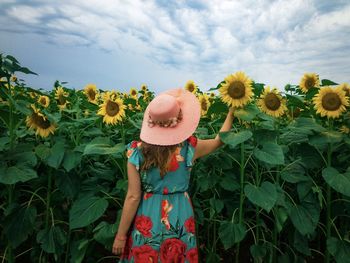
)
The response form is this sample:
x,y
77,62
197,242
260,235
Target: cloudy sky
x,y
119,44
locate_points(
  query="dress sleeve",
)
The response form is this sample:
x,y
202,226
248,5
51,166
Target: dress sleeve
x,y
133,153
191,145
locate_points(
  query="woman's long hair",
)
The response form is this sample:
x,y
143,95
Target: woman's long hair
x,y
157,156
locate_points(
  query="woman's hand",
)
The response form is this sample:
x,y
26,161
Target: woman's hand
x,y
231,110
118,246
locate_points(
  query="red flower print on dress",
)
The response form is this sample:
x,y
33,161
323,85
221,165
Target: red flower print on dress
x,y
145,253
165,191
172,250
192,140
190,225
144,225
147,195
173,165
192,255
134,144
165,209
126,254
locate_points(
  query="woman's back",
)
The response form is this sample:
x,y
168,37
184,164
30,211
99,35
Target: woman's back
x,y
164,225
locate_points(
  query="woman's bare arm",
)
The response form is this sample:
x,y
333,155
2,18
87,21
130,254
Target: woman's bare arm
x,y
205,147
132,200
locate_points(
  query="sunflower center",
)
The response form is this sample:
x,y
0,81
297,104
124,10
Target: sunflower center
x,y
61,100
112,108
331,101
236,90
191,87
272,102
40,121
309,83
92,94
43,101
133,92
204,105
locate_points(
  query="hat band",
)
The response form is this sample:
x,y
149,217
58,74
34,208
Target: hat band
x,y
171,122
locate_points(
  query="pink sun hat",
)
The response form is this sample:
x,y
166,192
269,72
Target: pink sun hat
x,y
171,117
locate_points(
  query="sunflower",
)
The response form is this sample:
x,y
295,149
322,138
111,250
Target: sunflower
x,y
144,87
13,78
212,95
346,88
130,107
204,102
308,81
272,103
138,107
112,110
33,94
330,102
344,129
44,100
61,98
125,95
236,91
91,93
39,122
191,86
133,93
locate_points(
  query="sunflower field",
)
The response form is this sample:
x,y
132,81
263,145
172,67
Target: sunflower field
x,y
277,191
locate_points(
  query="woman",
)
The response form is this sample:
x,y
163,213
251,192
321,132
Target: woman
x,y
157,222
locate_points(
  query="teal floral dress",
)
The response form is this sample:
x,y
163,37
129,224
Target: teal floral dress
x,y
163,229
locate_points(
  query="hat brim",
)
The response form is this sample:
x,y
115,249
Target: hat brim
x,y
191,110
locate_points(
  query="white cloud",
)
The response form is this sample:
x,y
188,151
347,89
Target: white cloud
x,y
279,39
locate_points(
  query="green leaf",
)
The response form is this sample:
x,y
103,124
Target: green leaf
x,y
15,174
339,182
270,153
20,224
308,124
78,250
86,211
231,233
217,204
104,233
327,82
229,183
294,173
102,149
68,184
71,160
281,216
258,251
323,138
247,113
305,217
235,138
295,100
264,196
56,155
300,242
339,249
52,239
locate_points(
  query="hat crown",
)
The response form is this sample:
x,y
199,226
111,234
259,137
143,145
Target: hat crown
x,y
163,107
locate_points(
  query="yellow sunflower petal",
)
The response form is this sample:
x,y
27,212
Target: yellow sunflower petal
x,y
236,91
330,102
308,81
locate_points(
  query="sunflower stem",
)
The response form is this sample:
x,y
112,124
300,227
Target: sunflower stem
x,y
10,187
328,195
241,197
